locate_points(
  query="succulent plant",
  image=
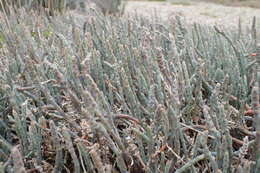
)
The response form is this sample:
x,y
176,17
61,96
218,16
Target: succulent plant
x,y
106,6
127,94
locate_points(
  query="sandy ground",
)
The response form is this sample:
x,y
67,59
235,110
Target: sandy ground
x,y
201,12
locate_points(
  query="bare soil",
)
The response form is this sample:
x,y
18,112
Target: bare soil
x,y
195,11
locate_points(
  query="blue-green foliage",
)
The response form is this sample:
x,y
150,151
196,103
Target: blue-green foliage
x,y
125,94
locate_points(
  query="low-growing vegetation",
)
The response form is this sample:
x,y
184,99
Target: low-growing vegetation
x,y
127,95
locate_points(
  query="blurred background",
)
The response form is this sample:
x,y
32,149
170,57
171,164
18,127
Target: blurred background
x,y
208,12
249,3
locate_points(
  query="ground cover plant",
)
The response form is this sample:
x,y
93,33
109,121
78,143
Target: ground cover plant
x,y
127,94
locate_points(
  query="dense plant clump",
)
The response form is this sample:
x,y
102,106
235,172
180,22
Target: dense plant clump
x,y
53,7
127,95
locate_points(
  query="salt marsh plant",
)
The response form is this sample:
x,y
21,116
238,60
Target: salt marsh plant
x,y
51,5
127,94
54,6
